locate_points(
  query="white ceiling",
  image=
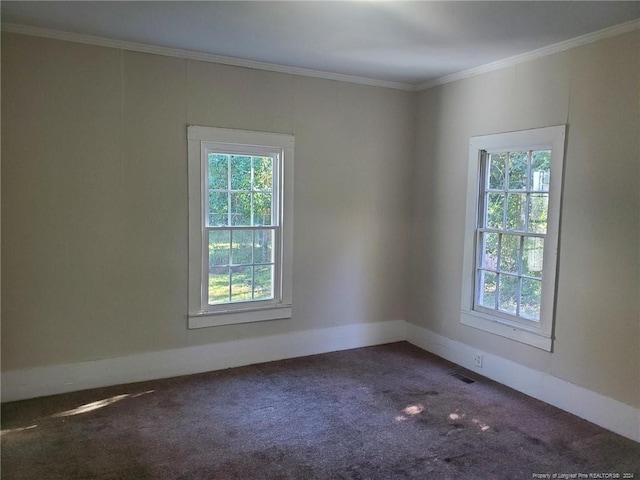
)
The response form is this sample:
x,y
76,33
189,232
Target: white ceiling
x,y
407,42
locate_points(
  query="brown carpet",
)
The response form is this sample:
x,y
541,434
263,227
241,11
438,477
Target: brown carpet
x,y
384,412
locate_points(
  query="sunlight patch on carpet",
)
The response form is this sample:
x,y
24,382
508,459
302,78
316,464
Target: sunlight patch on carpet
x,y
413,409
89,407
15,430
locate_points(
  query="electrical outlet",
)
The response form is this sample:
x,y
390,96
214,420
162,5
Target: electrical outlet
x,y
478,360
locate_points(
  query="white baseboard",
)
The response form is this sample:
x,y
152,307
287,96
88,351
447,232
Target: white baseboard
x,y
40,381
51,380
611,414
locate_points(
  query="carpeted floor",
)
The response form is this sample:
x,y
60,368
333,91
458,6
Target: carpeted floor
x,y
385,412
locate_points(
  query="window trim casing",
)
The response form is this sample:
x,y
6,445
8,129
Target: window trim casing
x,y
540,336
199,314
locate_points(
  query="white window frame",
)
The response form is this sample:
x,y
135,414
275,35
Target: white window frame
x,y
537,334
200,140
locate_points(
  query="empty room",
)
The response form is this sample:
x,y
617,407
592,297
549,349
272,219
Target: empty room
x,y
320,240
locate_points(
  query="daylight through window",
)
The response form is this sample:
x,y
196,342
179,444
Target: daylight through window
x,y
512,234
240,226
512,225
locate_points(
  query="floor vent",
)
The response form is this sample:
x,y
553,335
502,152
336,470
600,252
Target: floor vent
x,y
459,376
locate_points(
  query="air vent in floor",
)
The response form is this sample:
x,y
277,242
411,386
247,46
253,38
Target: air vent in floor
x,y
459,376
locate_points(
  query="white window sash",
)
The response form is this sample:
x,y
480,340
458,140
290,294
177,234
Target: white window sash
x,y
279,146
538,334
276,221
482,211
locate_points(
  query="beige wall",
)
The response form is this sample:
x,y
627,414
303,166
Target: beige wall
x,y
595,90
94,194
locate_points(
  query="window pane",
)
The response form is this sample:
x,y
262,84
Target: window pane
x,y
218,208
509,253
262,208
495,210
508,293
262,173
490,251
240,172
538,207
219,247
533,256
516,208
218,285
487,290
263,283
241,281
218,171
497,169
530,299
241,209
540,170
263,246
518,171
242,247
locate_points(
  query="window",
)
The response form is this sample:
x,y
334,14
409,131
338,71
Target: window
x,y
512,231
240,226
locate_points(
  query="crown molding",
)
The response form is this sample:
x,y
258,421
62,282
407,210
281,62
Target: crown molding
x,y
535,54
200,56
272,67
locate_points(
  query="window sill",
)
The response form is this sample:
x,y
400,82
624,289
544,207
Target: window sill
x,y
232,317
506,329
